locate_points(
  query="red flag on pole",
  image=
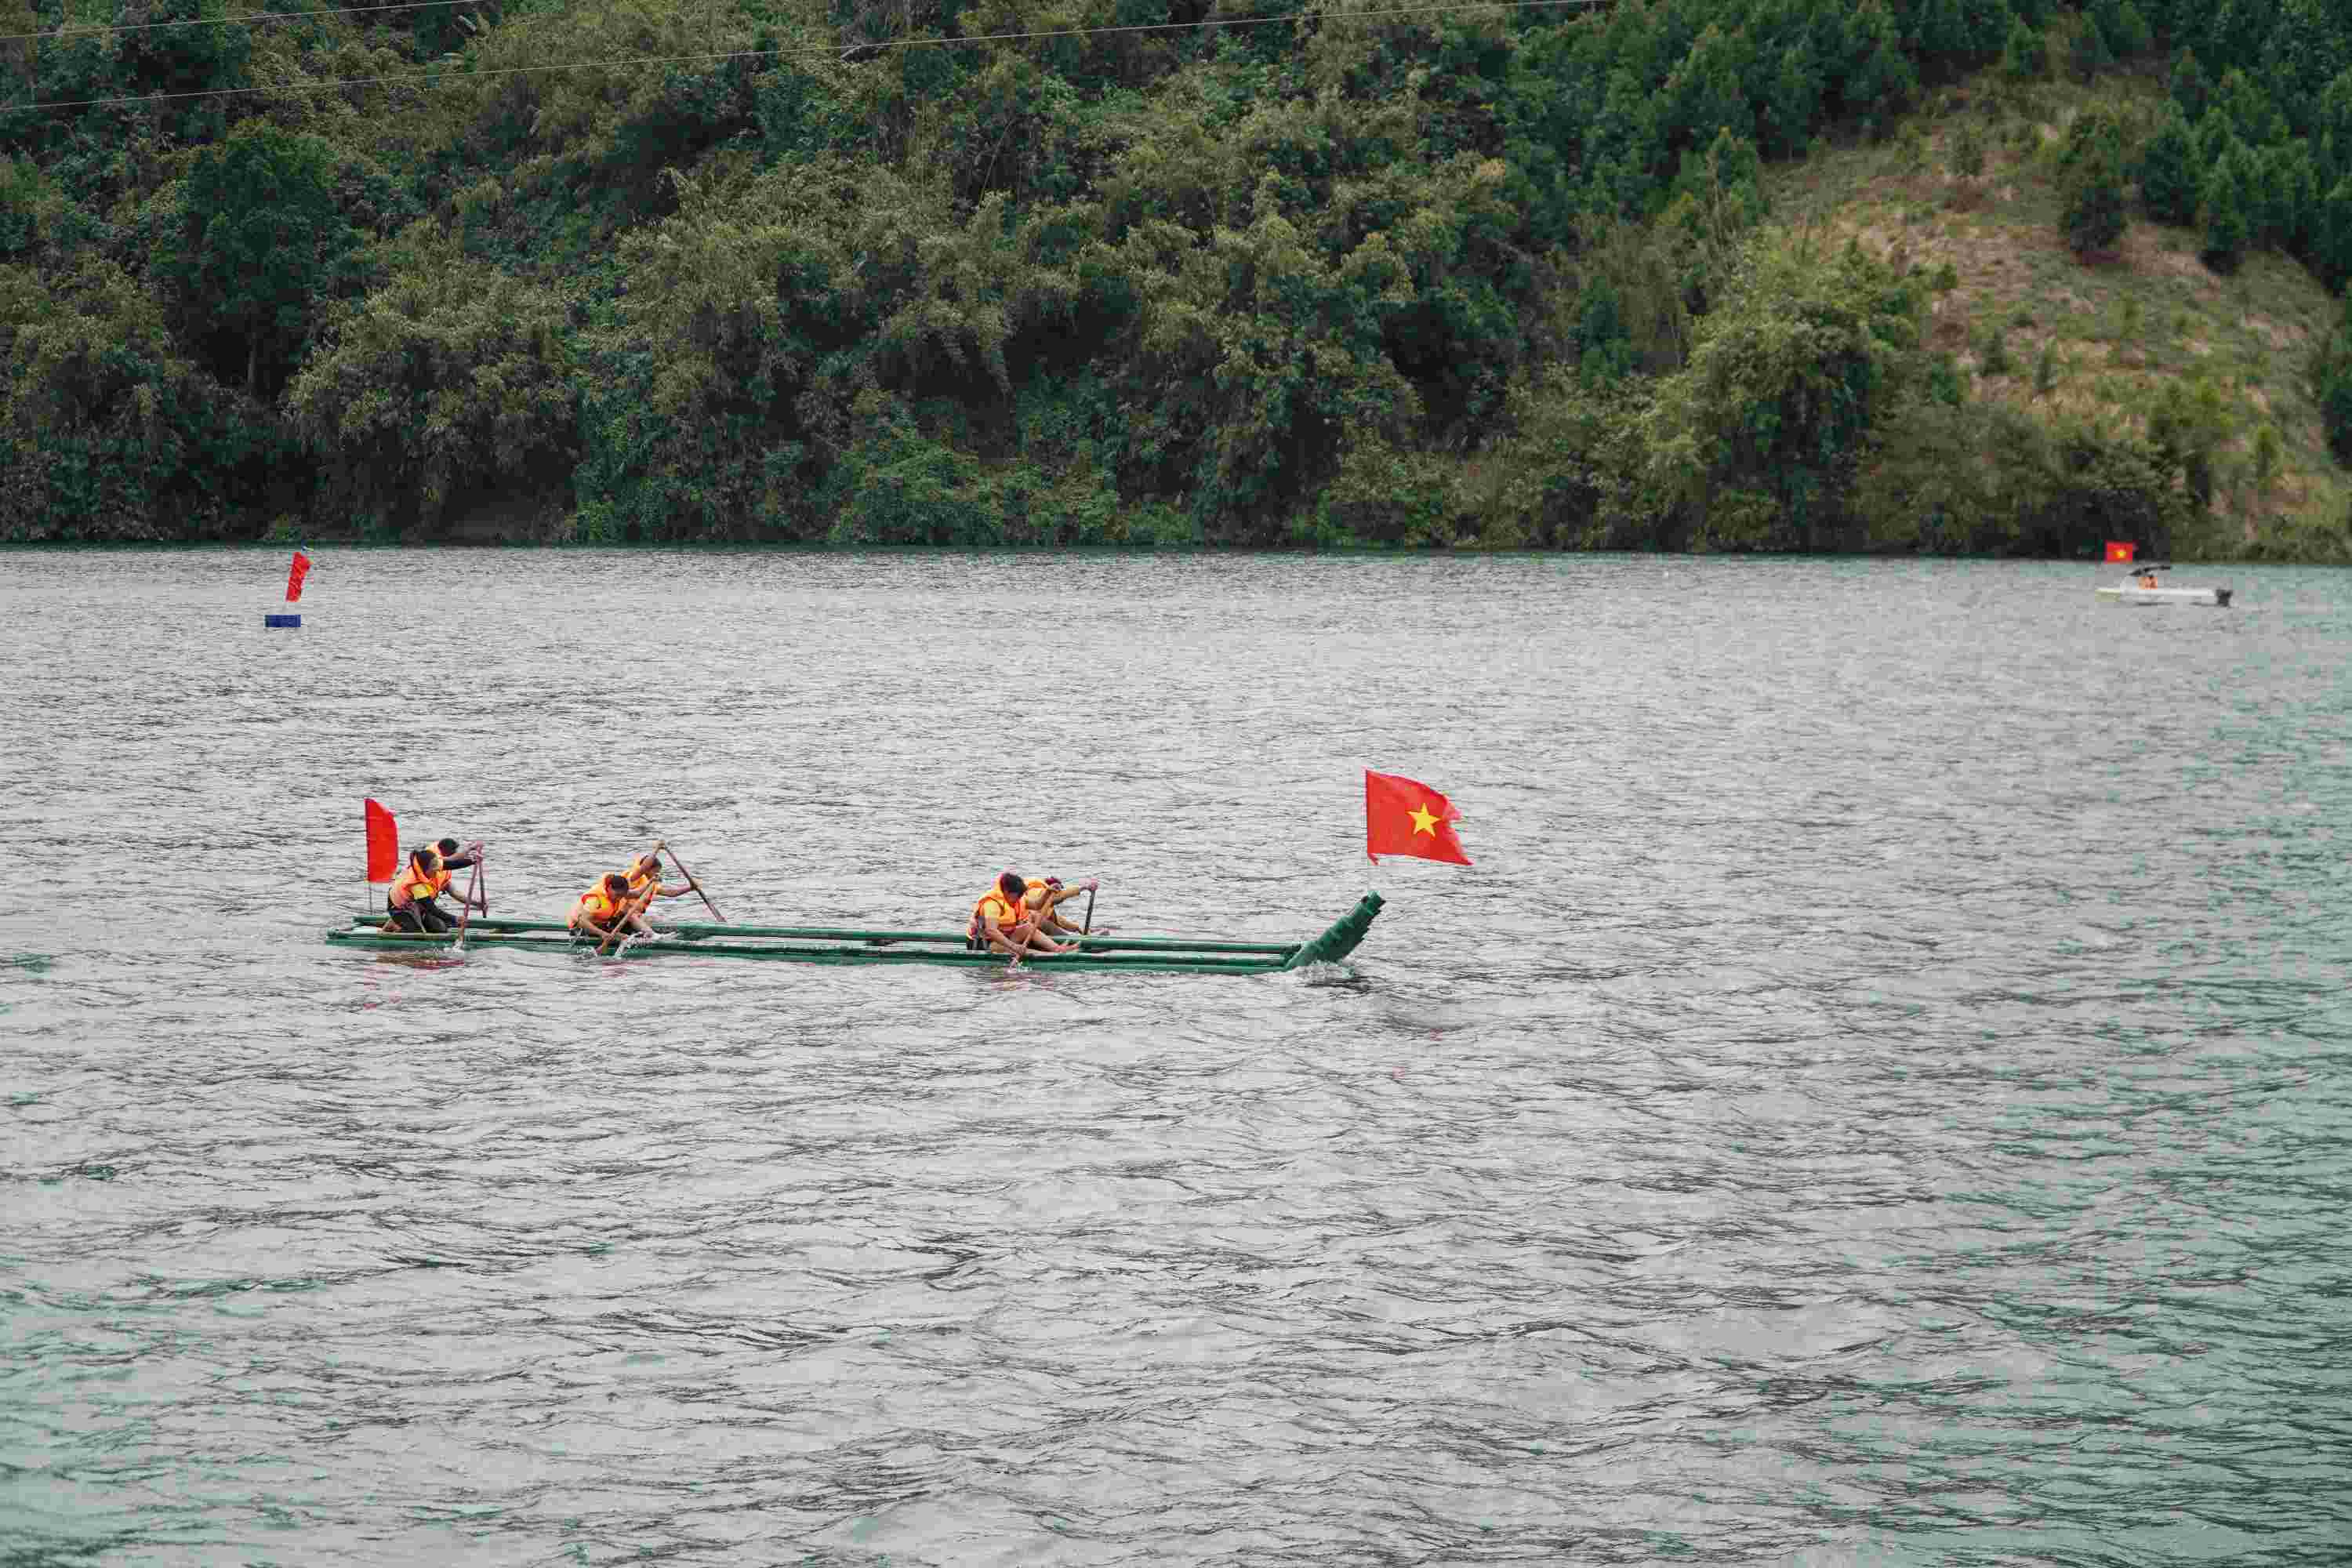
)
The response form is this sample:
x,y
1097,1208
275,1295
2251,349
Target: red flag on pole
x,y
383,844
301,568
1405,817
2118,551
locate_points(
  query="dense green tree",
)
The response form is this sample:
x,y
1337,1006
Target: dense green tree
x,y
2128,32
2310,44
450,382
1792,103
2087,53
2332,129
1882,83
1755,444
2189,87
2170,179
2332,380
110,432
2332,236
2287,188
2254,118
2228,203
2091,184
2025,56
259,245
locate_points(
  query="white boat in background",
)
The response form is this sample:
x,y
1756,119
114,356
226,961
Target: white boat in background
x,y
2140,588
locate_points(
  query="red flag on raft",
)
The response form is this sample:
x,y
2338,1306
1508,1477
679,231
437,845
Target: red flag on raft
x,y
2120,551
1403,816
301,568
383,844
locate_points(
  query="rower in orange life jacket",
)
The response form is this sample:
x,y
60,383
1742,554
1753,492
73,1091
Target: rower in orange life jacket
x,y
607,908
420,882
1001,923
455,857
1043,896
646,884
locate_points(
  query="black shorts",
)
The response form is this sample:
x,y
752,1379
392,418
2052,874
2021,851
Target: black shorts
x,y
424,916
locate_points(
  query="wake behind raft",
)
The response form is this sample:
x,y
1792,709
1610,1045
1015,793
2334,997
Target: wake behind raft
x,y
819,944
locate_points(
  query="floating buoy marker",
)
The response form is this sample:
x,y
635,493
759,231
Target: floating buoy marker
x,y
294,575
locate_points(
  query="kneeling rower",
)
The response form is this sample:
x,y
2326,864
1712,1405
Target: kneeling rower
x,y
605,910
1001,924
414,891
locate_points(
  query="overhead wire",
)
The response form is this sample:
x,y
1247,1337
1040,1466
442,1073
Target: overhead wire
x,y
459,73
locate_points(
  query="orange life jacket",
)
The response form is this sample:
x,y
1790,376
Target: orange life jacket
x,y
414,884
597,905
992,903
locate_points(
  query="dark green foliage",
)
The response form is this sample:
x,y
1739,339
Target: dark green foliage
x,y
1945,383
2190,425
2331,379
1883,78
111,434
2229,209
2088,53
1985,477
2286,196
1967,150
261,244
2170,178
2189,87
2254,116
449,386
1755,442
2332,236
2091,184
2308,45
1991,345
2025,56
1405,280
1604,349
2332,130
2128,32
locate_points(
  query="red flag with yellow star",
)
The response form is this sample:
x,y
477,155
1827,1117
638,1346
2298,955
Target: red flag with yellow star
x,y
1404,817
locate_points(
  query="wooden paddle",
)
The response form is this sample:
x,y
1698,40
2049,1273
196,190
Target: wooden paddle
x,y
662,844
1090,924
473,884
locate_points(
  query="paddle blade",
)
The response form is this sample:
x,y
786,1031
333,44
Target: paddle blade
x,y
383,844
294,575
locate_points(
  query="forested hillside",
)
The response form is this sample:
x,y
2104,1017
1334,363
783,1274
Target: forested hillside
x,y
1933,275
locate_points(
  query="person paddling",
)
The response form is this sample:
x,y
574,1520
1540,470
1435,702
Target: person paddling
x,y
646,884
1042,898
607,909
1000,922
422,881
456,856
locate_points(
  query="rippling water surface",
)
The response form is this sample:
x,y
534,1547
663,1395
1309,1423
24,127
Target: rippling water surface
x,y
1881,1095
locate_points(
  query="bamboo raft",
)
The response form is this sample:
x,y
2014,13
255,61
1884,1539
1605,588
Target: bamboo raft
x,y
823,945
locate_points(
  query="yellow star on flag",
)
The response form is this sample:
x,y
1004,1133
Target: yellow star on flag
x,y
1425,821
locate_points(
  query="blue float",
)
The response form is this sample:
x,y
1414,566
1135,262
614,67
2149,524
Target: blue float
x,y
267,620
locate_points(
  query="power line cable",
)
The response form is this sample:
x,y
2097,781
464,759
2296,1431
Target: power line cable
x,y
437,78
